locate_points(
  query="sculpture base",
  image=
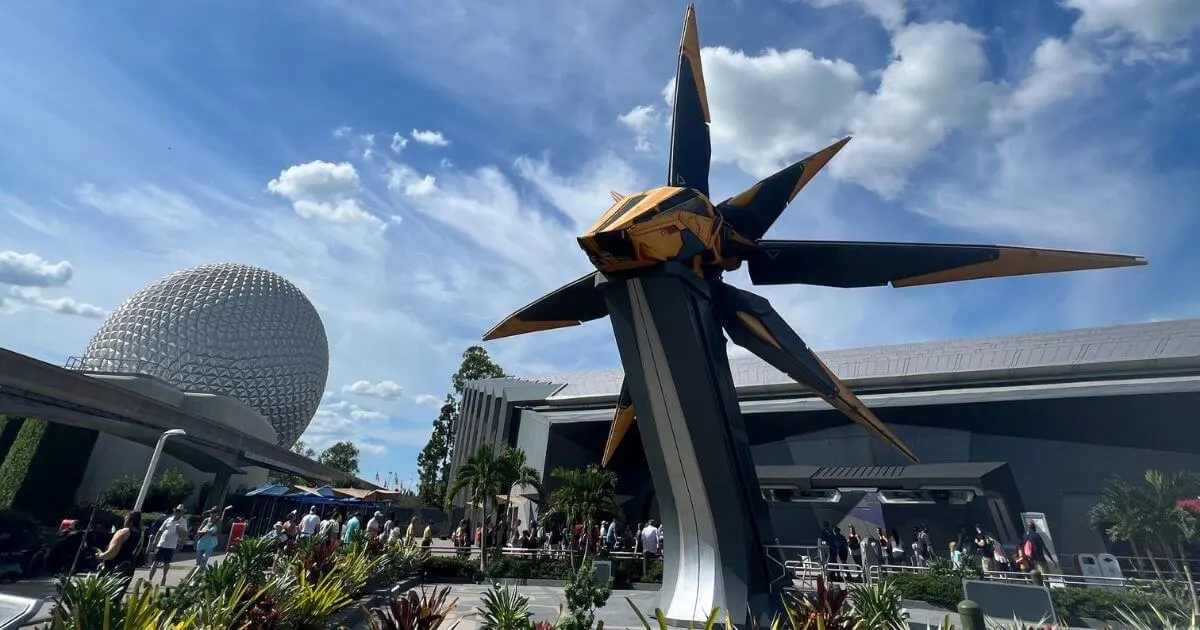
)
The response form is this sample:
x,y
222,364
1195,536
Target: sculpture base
x,y
714,518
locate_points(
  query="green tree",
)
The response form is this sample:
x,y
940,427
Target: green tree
x,y
300,448
343,456
476,364
583,495
169,489
433,463
1149,516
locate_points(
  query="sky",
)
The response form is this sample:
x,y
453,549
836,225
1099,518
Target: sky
x,y
420,168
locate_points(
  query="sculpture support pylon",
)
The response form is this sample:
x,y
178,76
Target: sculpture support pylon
x,y
714,518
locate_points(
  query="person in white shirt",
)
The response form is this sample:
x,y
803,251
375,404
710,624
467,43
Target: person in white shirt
x,y
170,535
650,538
375,524
310,523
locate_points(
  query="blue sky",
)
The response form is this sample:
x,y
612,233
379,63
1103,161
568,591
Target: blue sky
x,y
420,168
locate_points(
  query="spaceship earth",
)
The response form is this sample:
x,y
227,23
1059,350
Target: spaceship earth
x,y
228,329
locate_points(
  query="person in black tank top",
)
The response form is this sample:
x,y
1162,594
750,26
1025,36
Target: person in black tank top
x,y
118,558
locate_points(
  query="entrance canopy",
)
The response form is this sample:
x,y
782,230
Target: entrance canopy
x,y
982,477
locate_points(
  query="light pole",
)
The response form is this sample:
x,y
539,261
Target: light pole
x,y
137,506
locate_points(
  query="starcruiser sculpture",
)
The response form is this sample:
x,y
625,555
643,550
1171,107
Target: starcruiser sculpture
x,y
659,257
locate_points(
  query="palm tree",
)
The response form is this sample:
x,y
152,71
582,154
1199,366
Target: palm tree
x,y
582,496
1149,517
479,477
1122,514
514,471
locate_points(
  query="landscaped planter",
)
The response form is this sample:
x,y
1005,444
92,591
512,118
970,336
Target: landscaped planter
x,y
352,616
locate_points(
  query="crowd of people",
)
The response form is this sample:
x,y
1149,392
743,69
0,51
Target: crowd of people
x,y
340,528
644,538
163,539
889,548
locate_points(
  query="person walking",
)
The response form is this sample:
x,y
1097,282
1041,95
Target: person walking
x,y
310,523
206,538
1034,548
170,535
351,529
375,524
410,534
331,530
118,558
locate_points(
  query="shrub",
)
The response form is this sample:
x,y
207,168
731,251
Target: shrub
x,y
171,488
43,468
939,589
627,571
450,568
584,594
1104,604
536,568
122,492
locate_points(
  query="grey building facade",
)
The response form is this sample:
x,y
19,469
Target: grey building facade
x,y
1064,411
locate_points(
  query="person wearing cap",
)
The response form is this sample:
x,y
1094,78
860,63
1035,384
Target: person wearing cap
x,y
375,524
170,535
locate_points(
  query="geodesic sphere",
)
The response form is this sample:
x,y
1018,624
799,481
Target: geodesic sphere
x,y
228,329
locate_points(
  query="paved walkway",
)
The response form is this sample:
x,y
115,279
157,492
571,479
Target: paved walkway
x,y
43,587
544,602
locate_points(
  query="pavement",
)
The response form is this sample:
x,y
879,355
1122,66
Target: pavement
x,y
43,587
544,602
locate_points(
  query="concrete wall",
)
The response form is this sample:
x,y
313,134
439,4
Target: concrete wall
x,y
115,457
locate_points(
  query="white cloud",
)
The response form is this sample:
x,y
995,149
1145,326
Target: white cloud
x,y
147,206
406,180
760,115
1147,21
368,138
386,390
398,142
31,270
932,87
33,298
327,191
1061,70
372,431
890,13
642,121
430,137
775,107
341,132
426,399
583,196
